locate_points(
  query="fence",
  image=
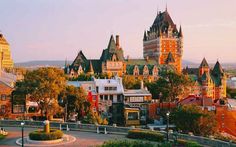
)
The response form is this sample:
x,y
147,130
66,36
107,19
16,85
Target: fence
x,y
112,129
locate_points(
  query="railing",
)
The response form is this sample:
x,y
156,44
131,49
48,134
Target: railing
x,y
111,129
67,125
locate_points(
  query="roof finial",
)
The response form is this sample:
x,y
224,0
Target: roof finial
x,y
166,7
157,11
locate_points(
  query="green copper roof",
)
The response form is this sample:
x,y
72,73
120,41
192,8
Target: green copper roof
x,y
204,63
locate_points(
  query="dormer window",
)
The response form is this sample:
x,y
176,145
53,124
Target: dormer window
x,y
80,70
145,70
136,70
155,71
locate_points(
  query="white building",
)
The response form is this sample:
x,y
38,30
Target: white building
x,y
231,83
110,89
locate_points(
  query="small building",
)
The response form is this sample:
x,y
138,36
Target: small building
x,y
136,103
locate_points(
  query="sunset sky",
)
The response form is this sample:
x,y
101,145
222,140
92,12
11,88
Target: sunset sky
x,y
58,29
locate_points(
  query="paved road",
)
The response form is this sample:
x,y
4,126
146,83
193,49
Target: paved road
x,y
83,139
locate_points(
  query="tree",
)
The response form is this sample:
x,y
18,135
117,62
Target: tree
x,y
76,99
43,86
172,85
131,82
191,118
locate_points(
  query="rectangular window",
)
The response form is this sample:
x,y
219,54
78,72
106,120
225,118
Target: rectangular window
x,y
101,97
106,97
3,108
132,115
3,97
111,98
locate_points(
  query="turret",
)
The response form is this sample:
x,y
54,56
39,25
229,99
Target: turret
x,y
145,36
180,32
90,71
204,67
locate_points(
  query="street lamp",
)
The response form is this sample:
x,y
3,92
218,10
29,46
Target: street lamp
x,y
65,117
167,126
22,131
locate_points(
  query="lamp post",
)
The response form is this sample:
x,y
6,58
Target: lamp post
x,y
65,117
22,131
167,126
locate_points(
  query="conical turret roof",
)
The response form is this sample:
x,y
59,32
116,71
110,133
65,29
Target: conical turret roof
x,y
204,63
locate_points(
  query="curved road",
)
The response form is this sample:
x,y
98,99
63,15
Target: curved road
x,y
83,139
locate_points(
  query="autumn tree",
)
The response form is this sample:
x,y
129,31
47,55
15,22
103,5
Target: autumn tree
x,y
76,100
43,86
191,118
130,82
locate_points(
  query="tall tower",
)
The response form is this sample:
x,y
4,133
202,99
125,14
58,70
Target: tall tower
x,y
6,59
163,38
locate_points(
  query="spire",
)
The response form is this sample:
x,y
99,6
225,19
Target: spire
x,y
90,71
204,63
166,7
180,31
66,62
145,36
170,58
112,45
218,68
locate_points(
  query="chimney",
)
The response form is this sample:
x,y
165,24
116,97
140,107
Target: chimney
x,y
142,85
128,58
117,41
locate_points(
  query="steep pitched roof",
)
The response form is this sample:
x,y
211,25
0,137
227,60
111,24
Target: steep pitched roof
x,y
112,45
163,21
111,50
170,58
218,73
79,60
218,68
3,40
204,63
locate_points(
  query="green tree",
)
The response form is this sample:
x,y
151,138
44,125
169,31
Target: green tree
x,y
172,85
43,86
191,118
77,101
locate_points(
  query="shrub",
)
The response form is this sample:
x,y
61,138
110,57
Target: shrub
x,y
2,136
188,143
41,135
147,135
127,143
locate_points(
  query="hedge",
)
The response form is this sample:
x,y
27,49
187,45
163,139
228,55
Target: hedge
x,y
41,135
188,143
2,136
146,135
126,143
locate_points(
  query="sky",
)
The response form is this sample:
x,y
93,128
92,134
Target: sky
x,y
59,29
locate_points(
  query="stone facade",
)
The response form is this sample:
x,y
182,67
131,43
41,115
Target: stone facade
x,y
5,54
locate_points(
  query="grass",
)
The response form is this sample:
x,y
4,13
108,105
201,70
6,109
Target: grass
x,y
2,136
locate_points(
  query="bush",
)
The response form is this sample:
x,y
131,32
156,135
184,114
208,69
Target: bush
x,y
127,143
147,135
41,135
2,136
188,143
